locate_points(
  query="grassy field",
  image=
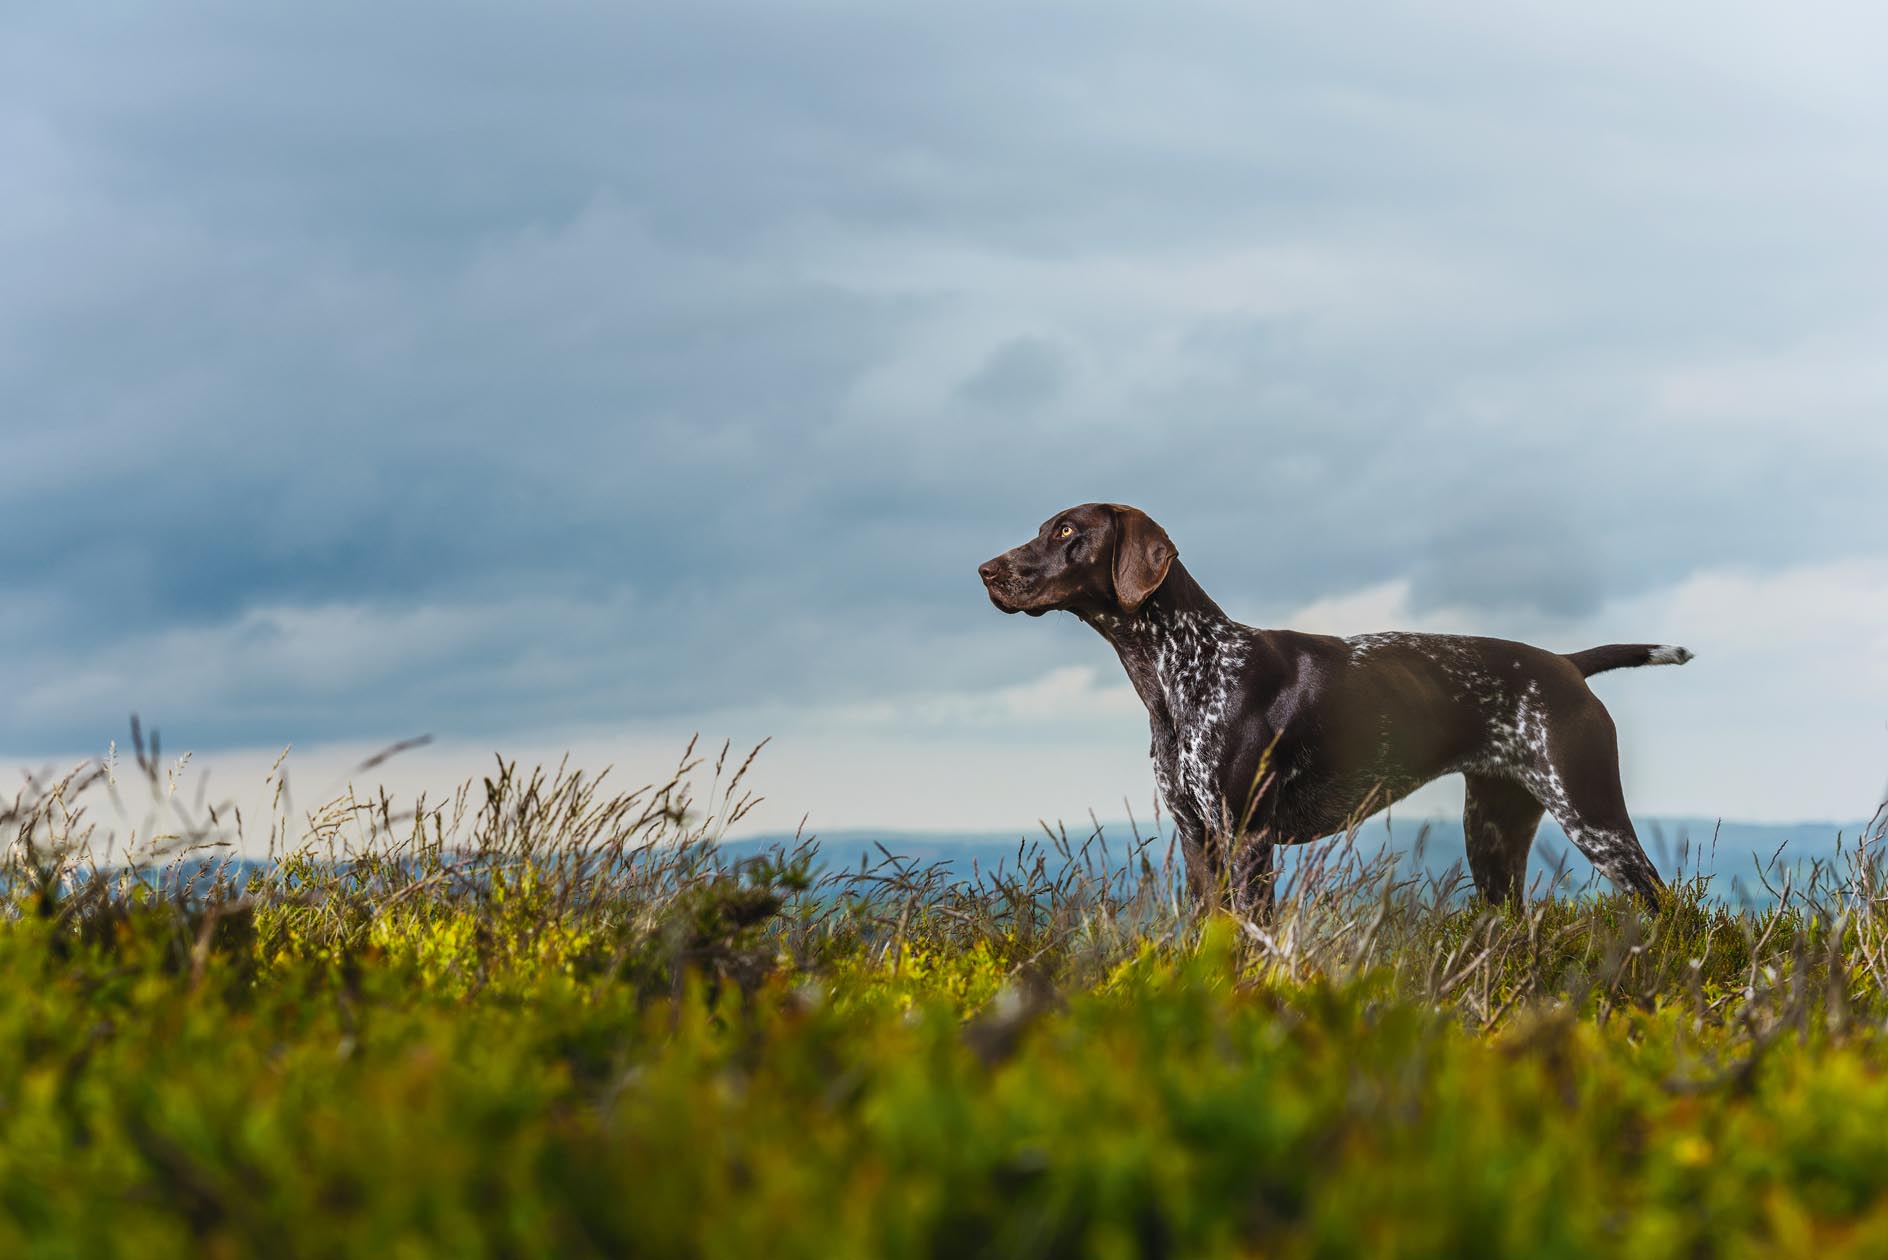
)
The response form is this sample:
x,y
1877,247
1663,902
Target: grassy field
x,y
546,1018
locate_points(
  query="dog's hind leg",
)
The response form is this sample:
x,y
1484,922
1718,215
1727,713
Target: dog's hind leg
x,y
1577,778
1499,822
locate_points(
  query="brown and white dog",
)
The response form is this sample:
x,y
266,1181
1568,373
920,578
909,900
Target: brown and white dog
x,y
1264,737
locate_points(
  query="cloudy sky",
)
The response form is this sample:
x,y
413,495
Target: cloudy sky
x,y
559,376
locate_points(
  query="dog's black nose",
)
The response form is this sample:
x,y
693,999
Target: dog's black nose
x,y
987,570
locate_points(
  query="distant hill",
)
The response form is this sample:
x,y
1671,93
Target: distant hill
x,y
1730,852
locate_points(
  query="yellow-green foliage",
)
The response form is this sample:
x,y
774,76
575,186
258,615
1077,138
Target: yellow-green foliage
x,y
460,1085
911,974
601,1046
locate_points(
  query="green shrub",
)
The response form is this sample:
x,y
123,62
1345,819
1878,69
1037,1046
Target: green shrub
x,y
558,1023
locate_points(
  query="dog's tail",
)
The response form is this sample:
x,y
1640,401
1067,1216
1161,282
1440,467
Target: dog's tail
x,y
1625,655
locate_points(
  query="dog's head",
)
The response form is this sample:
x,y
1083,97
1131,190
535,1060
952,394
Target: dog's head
x,y
1099,557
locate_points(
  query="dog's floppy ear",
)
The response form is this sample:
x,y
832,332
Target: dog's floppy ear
x,y
1142,555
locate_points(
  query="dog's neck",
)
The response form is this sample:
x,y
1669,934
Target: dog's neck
x,y
1179,648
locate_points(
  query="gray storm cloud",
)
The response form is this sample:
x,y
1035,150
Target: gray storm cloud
x,y
483,369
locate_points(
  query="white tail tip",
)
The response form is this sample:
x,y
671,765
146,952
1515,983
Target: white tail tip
x,y
1669,656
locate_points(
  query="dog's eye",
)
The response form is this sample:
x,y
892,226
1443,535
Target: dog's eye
x,y
1067,531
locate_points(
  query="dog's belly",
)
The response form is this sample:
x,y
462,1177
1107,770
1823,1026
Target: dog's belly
x,y
1307,801
1369,749
1311,807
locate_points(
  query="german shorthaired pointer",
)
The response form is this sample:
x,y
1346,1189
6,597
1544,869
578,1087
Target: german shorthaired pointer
x,y
1265,737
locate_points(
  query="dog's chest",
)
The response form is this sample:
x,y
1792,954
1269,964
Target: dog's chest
x,y
1196,668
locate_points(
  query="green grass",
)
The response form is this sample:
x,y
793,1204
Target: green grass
x,y
544,1019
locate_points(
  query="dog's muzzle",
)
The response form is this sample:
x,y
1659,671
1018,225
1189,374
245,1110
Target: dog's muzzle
x,y
1000,584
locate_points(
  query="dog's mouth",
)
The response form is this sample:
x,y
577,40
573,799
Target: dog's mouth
x,y
1009,605
1002,605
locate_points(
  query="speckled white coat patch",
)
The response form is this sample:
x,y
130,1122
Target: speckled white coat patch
x,y
1196,661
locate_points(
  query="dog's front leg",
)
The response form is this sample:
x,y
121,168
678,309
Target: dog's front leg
x,y
1200,858
1253,877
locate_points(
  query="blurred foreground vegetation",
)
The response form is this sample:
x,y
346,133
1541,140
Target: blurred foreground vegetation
x,y
545,1018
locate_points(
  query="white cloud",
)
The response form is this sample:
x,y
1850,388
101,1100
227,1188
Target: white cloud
x,y
1832,378
1071,693
1385,606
